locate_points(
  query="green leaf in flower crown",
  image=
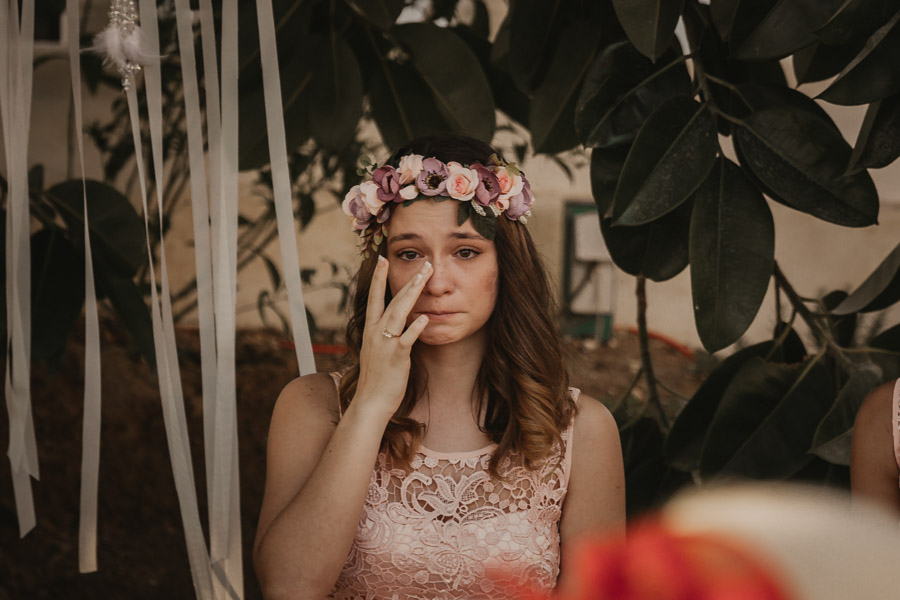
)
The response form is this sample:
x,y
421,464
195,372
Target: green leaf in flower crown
x,y
451,70
732,255
117,232
552,110
878,143
834,432
873,74
621,88
766,420
462,213
649,24
880,289
335,98
485,225
672,155
801,158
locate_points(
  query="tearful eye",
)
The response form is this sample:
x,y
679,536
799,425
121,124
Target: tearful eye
x,y
468,253
407,255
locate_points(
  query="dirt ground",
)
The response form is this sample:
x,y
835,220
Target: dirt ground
x,y
141,549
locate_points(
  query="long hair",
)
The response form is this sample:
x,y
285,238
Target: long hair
x,y
522,385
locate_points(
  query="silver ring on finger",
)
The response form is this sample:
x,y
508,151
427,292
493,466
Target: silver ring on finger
x,y
388,334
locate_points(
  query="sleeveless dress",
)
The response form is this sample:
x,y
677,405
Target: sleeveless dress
x,y
447,529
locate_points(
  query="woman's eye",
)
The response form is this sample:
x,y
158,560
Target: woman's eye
x,y
407,255
468,253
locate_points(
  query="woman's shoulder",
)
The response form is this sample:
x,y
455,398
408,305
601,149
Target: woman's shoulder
x,y
592,418
309,395
877,409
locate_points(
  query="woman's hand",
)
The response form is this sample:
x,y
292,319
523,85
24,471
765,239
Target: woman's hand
x,y
384,357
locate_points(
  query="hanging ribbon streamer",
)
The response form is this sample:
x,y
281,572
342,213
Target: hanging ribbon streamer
x,y
225,532
16,67
90,433
281,184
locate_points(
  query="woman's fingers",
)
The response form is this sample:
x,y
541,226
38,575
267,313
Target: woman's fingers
x,y
396,313
375,306
413,331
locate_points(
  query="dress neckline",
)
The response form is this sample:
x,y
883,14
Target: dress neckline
x,y
435,454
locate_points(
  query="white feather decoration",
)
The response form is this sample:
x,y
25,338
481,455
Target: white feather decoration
x,y
121,44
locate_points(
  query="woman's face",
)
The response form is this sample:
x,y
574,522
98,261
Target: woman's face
x,y
460,295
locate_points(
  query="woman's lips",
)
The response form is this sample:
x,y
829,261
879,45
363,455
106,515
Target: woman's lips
x,y
438,316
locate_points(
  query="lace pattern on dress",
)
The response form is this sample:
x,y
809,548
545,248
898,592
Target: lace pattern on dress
x,y
438,530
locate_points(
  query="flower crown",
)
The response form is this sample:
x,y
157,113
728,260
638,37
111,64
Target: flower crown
x,y
484,192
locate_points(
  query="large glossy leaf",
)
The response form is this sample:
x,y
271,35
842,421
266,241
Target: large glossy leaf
x,y
649,24
381,13
878,143
835,431
732,254
874,73
685,440
297,75
855,20
819,61
552,113
621,88
722,13
454,76
801,160
335,102
534,29
739,18
128,302
402,105
57,291
788,26
648,481
843,328
880,289
766,420
117,232
671,156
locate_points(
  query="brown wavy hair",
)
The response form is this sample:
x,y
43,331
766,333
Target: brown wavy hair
x,y
525,385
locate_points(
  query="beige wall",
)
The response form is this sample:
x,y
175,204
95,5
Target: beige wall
x,y
816,256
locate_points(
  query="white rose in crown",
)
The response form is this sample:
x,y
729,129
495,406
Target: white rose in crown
x,y
409,169
462,182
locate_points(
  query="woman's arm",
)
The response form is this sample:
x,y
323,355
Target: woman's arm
x,y
317,474
595,501
874,473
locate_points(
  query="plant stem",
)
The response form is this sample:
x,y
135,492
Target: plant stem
x,y
646,362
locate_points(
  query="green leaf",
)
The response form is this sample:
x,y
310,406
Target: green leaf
x,y
880,289
766,420
454,76
381,13
878,143
621,88
801,160
787,27
552,112
128,302
534,29
737,19
118,240
335,101
732,254
685,440
402,105
672,155
462,213
648,482
855,20
873,74
297,73
834,433
842,328
486,225
649,24
818,61
307,210
57,292
272,270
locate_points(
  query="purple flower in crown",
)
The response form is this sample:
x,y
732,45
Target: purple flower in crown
x,y
488,186
354,206
520,204
432,180
388,181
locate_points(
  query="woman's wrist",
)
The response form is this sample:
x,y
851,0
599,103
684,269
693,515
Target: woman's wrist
x,y
368,411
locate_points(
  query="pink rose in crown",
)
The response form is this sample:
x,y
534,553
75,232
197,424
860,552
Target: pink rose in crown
x,y
409,168
368,190
462,182
432,180
387,180
354,206
520,204
488,186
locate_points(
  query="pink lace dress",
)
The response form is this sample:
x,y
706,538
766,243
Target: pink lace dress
x,y
438,531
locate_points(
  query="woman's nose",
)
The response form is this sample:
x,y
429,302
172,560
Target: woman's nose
x,y
441,281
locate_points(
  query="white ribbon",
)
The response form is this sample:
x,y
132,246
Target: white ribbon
x,y
281,184
90,433
17,43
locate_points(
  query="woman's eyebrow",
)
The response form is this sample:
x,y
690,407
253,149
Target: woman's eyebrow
x,y
404,236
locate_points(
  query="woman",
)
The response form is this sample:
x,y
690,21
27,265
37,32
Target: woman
x,y
875,453
484,460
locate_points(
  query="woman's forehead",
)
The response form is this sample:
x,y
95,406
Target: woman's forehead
x,y
429,220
